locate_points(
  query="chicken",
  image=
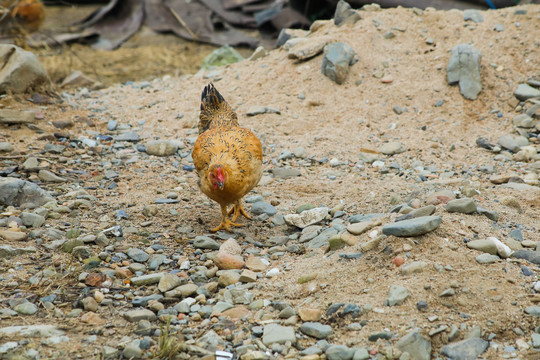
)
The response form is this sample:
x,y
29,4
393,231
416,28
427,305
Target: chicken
x,y
228,158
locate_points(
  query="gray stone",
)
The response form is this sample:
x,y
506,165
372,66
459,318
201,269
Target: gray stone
x,y
344,14
396,296
258,110
148,279
130,136
468,349
275,333
48,176
139,314
7,251
473,15
529,255
21,193
535,338
486,258
316,330
483,245
161,147
423,211
490,214
169,282
416,345
533,310
512,142
82,252
525,92
413,227
392,148
6,147
21,70
306,48
285,173
26,308
132,350
524,121
155,261
44,330
464,206
32,220
464,67
338,57
205,242
31,163
339,352
361,354
109,352
262,207
182,290
137,255
413,268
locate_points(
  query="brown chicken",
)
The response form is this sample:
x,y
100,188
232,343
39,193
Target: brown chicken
x,y
228,158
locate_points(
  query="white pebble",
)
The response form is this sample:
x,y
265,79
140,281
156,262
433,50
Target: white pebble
x,y
373,234
272,272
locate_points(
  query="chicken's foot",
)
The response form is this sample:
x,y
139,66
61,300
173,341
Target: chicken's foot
x,y
238,210
226,223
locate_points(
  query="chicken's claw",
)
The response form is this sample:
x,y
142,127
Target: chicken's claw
x,y
225,225
238,210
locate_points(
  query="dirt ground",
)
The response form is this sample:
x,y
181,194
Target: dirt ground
x,y
333,121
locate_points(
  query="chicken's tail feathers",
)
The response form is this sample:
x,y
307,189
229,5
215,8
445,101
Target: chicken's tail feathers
x,y
214,108
210,97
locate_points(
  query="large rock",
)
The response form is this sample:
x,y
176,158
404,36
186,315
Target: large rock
x,y
464,68
223,56
20,71
21,193
338,57
275,333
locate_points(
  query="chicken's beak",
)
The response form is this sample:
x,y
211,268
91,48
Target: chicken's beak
x,y
220,185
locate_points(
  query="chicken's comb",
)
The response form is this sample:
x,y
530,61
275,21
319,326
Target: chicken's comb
x,y
210,95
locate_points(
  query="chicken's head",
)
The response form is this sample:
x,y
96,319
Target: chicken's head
x,y
218,175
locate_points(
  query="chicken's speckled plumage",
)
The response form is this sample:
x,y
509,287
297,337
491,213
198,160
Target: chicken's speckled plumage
x,y
222,143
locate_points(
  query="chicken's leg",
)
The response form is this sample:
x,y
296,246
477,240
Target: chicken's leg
x,y
238,210
226,223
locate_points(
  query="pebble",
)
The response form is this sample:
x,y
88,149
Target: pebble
x,y
275,333
533,310
473,15
6,147
525,92
26,308
132,350
464,68
162,147
416,345
285,173
307,217
392,148
305,48
413,227
168,282
226,261
465,349
262,207
338,57
413,268
139,314
345,14
148,279
205,242
258,110
487,258
464,206
13,235
339,352
137,255
396,296
316,330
